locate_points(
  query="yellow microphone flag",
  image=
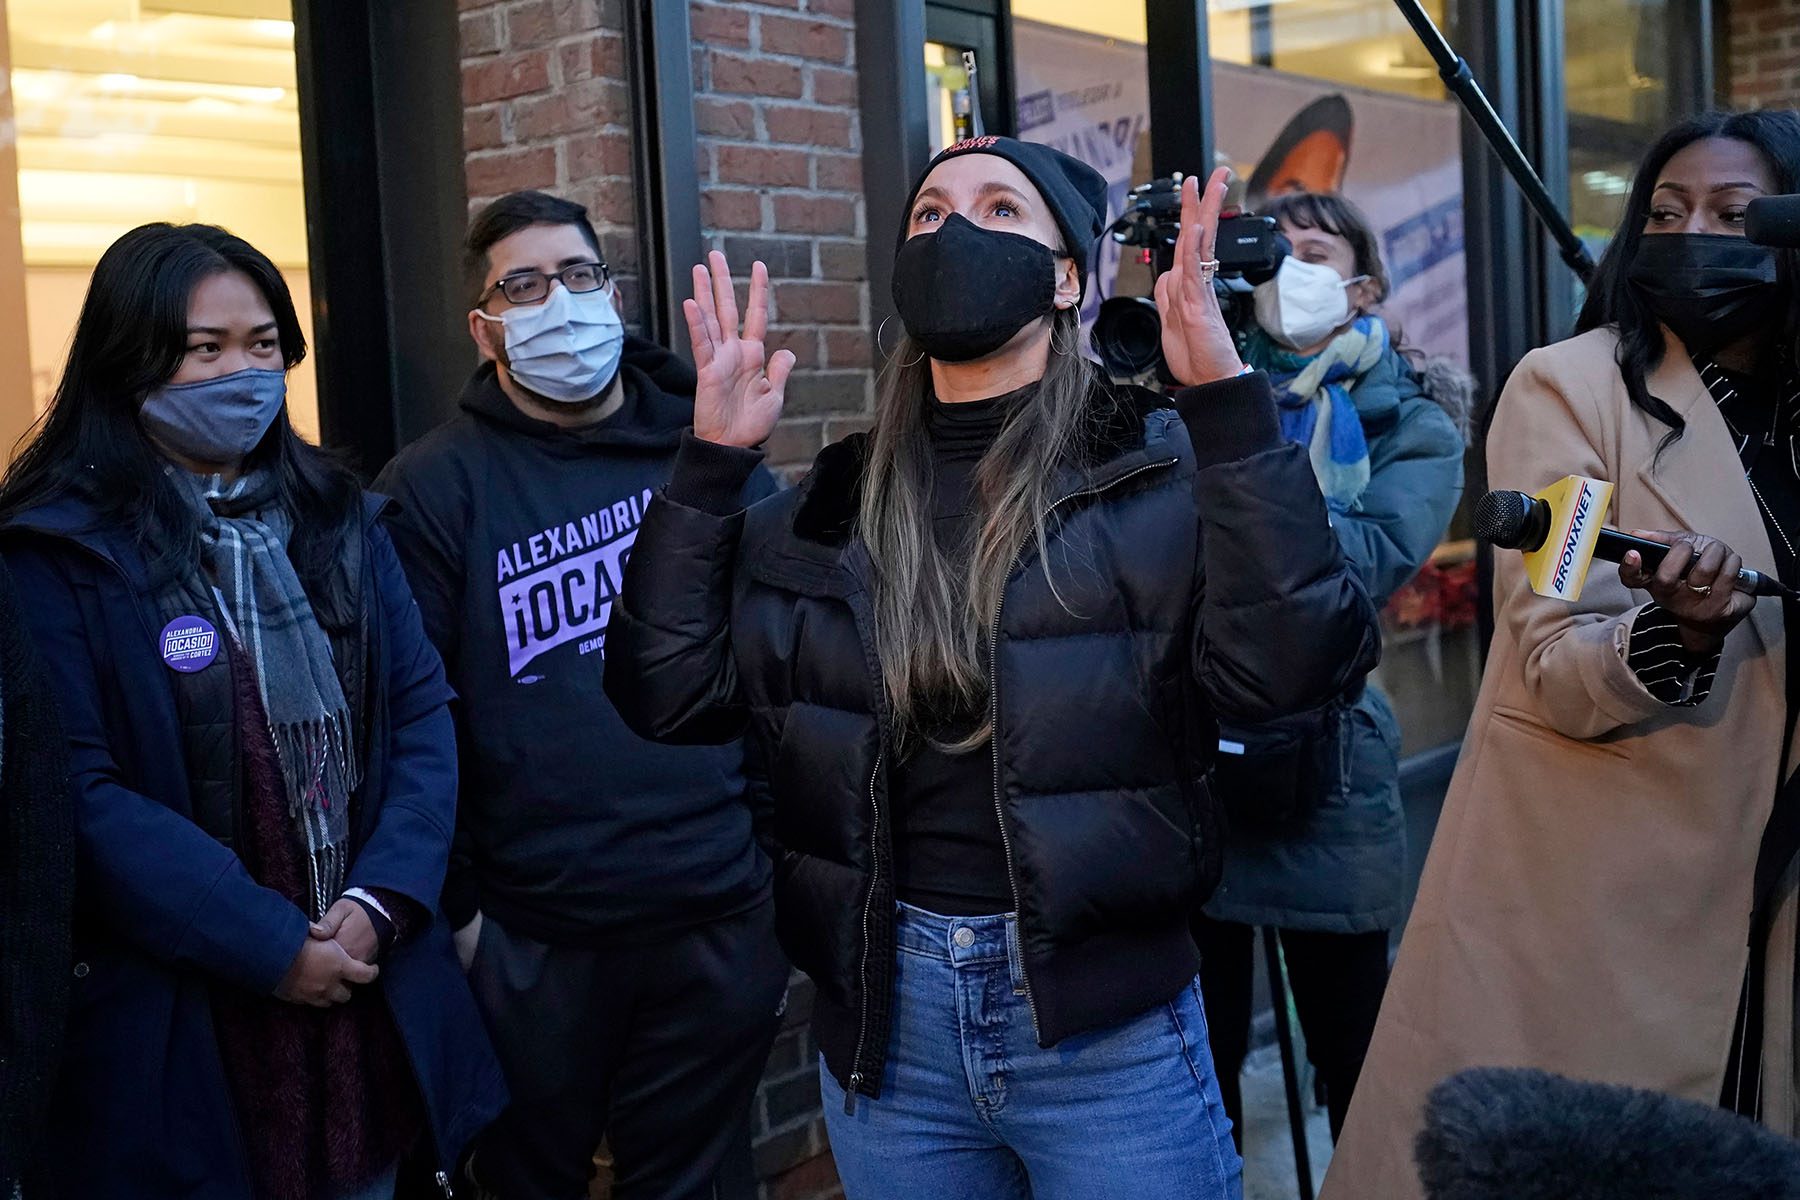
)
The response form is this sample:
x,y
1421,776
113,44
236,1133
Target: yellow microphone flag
x,y
1558,569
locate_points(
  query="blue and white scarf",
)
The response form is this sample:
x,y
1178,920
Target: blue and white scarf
x,y
1312,394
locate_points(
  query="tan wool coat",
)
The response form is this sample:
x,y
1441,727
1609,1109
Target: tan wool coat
x,y
1585,905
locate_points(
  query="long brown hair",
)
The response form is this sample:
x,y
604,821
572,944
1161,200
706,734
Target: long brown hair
x,y
932,608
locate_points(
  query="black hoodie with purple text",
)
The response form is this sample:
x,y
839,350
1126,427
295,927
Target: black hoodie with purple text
x,y
571,829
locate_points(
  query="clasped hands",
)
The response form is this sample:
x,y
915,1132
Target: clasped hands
x,y
339,952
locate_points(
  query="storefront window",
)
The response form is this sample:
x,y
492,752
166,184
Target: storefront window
x,y
1340,96
949,107
128,111
956,106
1618,54
1365,43
1326,95
1083,87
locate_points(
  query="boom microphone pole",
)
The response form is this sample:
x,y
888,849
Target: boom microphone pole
x,y
1454,71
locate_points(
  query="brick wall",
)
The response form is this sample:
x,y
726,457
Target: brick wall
x,y
1762,53
781,180
791,1155
547,105
780,165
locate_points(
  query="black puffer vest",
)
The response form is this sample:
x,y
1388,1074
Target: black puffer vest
x,y
1197,583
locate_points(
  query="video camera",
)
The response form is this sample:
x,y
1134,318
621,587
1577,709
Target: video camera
x,y
1128,332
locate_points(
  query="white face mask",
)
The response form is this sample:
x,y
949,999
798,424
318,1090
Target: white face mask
x,y
567,348
1304,303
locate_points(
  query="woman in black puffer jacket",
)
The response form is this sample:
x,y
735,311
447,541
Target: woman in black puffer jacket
x,y
978,655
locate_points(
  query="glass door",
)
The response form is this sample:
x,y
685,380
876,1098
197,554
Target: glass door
x,y
129,111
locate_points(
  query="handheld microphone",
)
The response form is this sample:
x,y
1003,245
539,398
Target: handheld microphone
x,y
1516,521
1773,221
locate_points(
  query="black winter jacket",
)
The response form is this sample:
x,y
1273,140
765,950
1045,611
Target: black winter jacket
x,y
1204,578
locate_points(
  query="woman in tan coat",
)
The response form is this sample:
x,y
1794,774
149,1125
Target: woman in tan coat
x,y
1587,905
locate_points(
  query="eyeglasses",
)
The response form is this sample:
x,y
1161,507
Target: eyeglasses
x,y
529,287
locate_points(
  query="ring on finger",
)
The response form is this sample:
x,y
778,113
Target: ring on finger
x,y
1208,268
1703,590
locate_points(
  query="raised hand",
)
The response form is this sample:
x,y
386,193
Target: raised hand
x,y
1196,341
740,393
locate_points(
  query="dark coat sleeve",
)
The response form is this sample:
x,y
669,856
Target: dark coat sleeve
x,y
37,888
409,848
429,522
1282,624
669,665
430,519
163,884
762,485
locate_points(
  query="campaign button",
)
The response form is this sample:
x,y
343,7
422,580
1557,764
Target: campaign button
x,y
189,644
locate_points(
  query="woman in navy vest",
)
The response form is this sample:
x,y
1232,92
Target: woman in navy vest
x,y
262,764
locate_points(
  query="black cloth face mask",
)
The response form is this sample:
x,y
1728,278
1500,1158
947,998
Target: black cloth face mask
x,y
1710,288
964,291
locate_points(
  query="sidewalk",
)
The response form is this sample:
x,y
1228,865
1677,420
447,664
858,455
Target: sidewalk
x,y
1268,1146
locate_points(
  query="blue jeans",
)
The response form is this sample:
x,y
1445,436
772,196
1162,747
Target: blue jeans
x,y
971,1107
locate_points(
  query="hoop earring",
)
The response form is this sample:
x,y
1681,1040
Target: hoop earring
x,y
886,353
1065,350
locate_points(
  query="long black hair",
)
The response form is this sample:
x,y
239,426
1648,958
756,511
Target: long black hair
x,y
1612,301
130,337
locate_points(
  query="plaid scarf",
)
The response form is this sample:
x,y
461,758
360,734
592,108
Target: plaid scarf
x,y
1313,395
264,610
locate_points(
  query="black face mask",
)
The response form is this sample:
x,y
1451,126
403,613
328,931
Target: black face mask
x,y
964,291
1710,288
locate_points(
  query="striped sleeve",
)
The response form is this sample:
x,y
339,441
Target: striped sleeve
x,y
1668,670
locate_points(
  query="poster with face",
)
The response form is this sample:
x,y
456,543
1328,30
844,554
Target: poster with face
x,y
1397,158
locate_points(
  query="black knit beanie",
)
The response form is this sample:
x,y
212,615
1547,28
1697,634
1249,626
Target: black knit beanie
x,y
1075,192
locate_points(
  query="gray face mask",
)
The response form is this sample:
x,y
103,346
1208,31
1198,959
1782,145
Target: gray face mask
x,y
217,420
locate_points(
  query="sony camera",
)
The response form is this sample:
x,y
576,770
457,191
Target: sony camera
x,y
1127,334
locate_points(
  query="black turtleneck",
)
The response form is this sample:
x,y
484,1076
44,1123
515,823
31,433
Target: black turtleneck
x,y
960,434
948,855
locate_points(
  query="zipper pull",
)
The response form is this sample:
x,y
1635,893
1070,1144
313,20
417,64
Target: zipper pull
x,y
850,1093
443,1182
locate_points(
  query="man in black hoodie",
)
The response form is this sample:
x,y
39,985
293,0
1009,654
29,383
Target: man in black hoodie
x,y
610,903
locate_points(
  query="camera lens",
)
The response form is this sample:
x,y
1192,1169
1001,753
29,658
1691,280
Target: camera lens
x,y
1128,336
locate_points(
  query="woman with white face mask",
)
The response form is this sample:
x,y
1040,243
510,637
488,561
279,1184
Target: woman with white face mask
x,y
1318,845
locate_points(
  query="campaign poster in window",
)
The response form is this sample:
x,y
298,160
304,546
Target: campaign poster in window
x,y
1397,158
